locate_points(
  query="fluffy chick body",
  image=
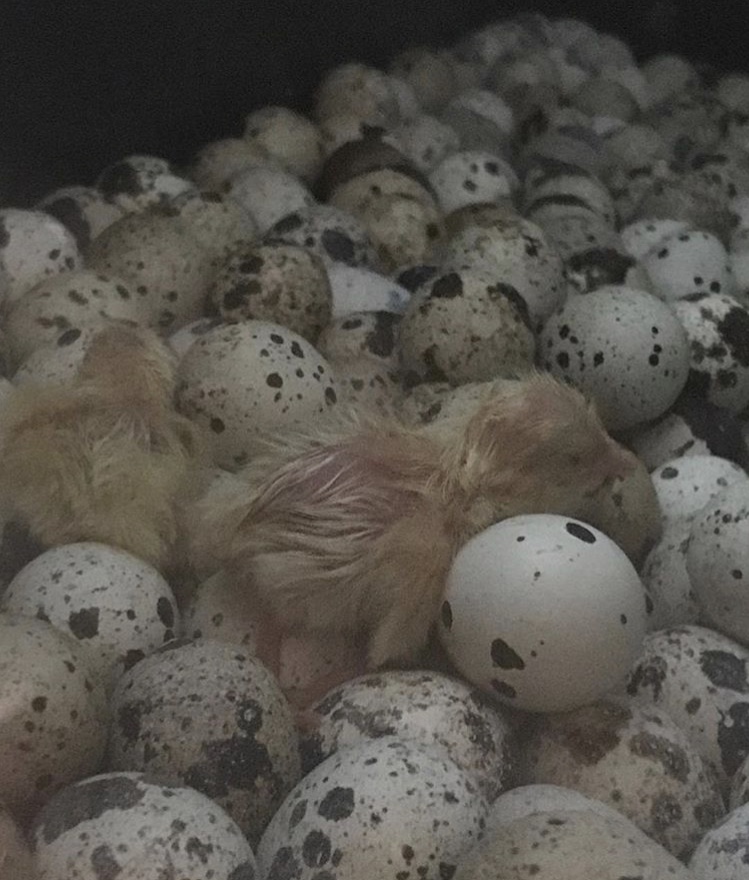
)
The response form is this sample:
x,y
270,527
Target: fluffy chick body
x,y
105,458
352,527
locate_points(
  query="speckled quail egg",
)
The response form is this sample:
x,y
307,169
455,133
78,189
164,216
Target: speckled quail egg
x,y
688,262
356,289
665,577
218,222
691,427
430,74
362,334
183,338
425,141
623,347
574,233
375,810
160,261
568,845
359,90
718,560
268,194
139,182
427,403
643,236
465,326
15,855
635,759
723,852
120,825
289,137
209,715
469,177
57,362
699,677
216,162
738,793
333,234
219,610
33,246
83,210
52,713
497,622
518,253
717,327
685,485
71,301
550,190
365,385
118,607
482,119
240,379
283,283
424,706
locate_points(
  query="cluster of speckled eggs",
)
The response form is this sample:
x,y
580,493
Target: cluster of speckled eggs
x,y
530,196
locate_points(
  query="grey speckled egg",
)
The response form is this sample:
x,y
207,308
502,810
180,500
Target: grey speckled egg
x,y
699,677
643,236
470,177
33,246
216,162
423,706
268,194
15,855
356,289
289,137
140,181
83,210
119,825
425,141
623,347
283,283
240,379
636,760
362,334
723,853
664,574
52,713
688,262
718,560
570,845
208,715
365,385
66,302
465,326
375,810
717,327
684,485
118,607
58,362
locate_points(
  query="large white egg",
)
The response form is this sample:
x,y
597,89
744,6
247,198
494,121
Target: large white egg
x,y
544,612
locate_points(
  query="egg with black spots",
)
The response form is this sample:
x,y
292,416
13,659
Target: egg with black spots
x,y
723,853
239,380
381,810
123,825
208,715
543,612
686,262
139,182
372,335
117,606
356,289
665,576
684,485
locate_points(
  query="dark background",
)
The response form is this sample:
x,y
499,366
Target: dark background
x,y
84,82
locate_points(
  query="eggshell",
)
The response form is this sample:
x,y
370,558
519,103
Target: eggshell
x,y
561,845
427,707
240,379
15,855
118,607
59,361
643,236
289,137
183,338
268,194
637,761
623,347
469,177
139,182
430,74
83,210
361,334
285,284
425,141
665,576
359,90
465,326
356,289
52,715
365,385
685,485
723,852
688,262
544,612
121,825
375,810
216,162
718,560
699,677
33,246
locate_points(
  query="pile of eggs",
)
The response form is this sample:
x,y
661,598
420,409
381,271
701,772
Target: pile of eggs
x,y
529,197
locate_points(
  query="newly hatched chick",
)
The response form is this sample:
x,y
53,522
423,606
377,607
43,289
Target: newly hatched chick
x,y
352,527
105,458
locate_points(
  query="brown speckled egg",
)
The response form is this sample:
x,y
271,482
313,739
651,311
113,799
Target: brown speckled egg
x,y
161,261
120,825
66,302
465,326
283,283
425,706
638,761
52,713
240,379
377,810
208,715
118,607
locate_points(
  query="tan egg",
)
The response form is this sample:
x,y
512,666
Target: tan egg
x,y
288,137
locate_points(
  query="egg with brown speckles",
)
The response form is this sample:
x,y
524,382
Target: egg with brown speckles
x,y
376,810
240,379
209,715
52,713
